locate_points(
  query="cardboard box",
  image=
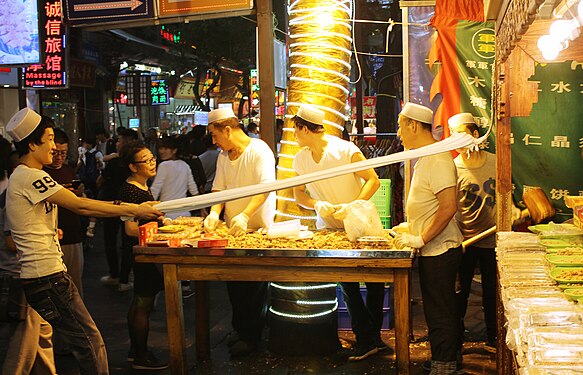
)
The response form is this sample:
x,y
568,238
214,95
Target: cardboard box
x,y
146,232
578,216
206,242
173,242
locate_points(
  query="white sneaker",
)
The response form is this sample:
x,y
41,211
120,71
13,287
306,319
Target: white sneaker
x,y
90,232
108,280
125,287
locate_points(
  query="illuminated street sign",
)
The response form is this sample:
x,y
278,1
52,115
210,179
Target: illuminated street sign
x,y
159,92
52,72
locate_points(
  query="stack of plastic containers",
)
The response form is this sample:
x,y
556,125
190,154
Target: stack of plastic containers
x,y
544,328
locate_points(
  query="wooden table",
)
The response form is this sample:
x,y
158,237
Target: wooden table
x,y
281,265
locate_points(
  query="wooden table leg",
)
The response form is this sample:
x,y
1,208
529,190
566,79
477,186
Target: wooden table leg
x,y
175,319
401,283
202,331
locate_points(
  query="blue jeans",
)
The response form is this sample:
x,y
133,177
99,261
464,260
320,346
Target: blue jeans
x,y
57,300
366,318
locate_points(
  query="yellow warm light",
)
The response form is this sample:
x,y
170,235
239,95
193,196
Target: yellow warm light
x,y
323,108
280,168
320,51
320,57
323,70
320,82
292,216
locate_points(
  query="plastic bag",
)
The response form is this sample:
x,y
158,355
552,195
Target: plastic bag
x,y
362,219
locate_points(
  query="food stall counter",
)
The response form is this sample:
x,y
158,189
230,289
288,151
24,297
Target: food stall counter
x,y
276,264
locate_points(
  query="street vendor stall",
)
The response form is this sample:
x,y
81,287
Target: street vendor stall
x,y
535,107
326,257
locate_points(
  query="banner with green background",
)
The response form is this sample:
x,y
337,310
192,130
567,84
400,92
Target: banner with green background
x,y
547,146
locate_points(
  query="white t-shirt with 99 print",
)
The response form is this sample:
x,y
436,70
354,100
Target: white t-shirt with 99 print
x,y
33,222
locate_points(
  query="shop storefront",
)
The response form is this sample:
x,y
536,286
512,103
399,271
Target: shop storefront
x,y
538,144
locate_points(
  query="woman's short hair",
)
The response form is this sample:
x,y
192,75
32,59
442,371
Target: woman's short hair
x,y
130,150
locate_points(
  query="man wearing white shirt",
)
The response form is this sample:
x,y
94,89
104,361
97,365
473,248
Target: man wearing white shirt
x,y
431,207
244,161
321,152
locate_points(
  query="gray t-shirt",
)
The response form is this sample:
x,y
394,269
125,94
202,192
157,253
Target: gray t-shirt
x,y
477,199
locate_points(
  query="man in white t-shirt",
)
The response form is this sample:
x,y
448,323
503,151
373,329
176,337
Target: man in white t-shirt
x,y
32,199
243,161
431,207
323,152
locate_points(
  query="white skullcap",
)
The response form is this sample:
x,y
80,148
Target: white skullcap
x,y
221,114
458,120
22,124
418,112
311,114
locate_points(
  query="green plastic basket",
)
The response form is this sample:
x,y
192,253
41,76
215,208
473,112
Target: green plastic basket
x,y
382,199
386,221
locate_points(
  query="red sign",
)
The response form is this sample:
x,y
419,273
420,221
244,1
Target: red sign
x,y
52,73
369,107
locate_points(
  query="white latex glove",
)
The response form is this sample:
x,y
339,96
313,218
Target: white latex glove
x,y
340,212
211,222
406,239
324,209
239,225
516,213
401,228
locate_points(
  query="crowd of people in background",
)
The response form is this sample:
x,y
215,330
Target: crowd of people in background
x,y
104,168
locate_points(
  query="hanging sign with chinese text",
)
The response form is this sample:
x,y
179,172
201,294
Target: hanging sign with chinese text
x,y
79,12
172,8
81,73
159,92
369,107
52,72
185,88
476,43
547,145
466,50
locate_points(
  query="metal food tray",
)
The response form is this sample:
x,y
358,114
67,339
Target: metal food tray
x,y
292,253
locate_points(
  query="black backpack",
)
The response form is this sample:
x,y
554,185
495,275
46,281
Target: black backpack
x,y
88,172
197,172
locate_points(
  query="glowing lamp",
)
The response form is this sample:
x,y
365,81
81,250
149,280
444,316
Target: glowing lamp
x,y
550,54
561,29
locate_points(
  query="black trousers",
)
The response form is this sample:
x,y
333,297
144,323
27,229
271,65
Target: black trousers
x,y
486,258
111,228
366,318
437,276
249,304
